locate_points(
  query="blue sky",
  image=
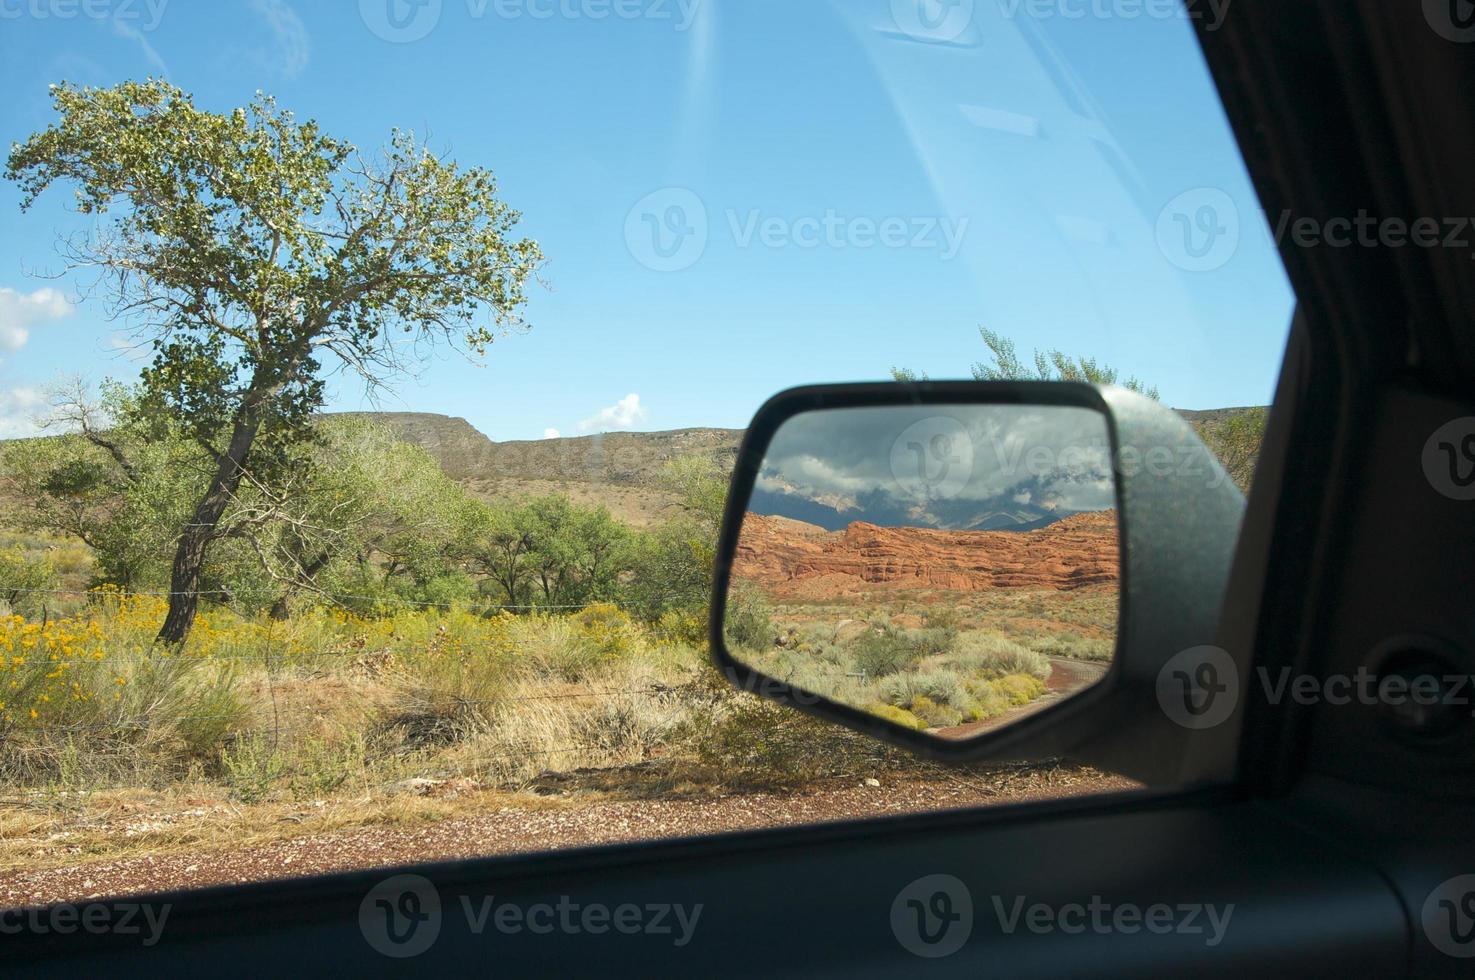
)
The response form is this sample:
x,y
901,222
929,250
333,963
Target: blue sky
x,y
734,197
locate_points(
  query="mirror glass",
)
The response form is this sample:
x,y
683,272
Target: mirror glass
x,y
948,568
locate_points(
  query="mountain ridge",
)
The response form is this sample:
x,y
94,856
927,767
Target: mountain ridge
x,y
619,470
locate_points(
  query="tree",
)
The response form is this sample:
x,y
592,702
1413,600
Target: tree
x,y
1050,365
551,550
251,248
106,484
673,562
700,485
1236,439
367,506
500,547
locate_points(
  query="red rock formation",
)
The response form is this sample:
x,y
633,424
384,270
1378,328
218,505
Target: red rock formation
x,y
792,558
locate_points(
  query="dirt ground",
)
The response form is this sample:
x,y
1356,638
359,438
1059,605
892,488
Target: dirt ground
x,y
486,824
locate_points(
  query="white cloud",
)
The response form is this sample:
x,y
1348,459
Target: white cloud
x,y
21,311
20,410
289,35
550,434
126,30
623,414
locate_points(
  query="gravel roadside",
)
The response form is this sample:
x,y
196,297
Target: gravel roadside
x,y
509,830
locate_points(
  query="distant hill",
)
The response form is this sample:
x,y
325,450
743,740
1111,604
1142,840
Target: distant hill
x,y
632,458
617,469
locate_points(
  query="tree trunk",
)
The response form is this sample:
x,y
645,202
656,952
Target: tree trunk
x,y
281,609
189,556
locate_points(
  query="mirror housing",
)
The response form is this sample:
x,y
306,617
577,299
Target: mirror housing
x,y
1179,519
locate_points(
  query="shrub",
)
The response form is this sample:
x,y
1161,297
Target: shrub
x,y
445,692
934,714
882,652
554,646
609,629
61,675
943,618
251,767
618,725
980,652
746,740
747,622
930,641
24,580
941,686
323,765
682,627
899,716
196,701
1074,645
1019,688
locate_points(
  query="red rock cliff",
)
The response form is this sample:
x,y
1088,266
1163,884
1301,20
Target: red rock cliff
x,y
788,556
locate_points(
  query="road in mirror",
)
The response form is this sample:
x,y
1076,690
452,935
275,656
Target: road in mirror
x,y
949,568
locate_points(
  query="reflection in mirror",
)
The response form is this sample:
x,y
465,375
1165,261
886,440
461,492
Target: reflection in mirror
x,y
948,568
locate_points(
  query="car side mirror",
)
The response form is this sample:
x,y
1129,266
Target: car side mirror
x,y
985,570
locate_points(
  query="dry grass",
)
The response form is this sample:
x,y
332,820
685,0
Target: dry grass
x,y
121,823
261,731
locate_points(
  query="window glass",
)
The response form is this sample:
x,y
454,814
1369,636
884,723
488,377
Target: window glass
x,y
356,509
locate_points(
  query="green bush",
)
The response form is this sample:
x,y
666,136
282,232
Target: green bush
x,y
882,652
447,693
747,622
943,618
675,626
930,641
24,581
251,767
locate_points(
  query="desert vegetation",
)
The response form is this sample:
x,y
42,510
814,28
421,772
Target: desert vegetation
x,y
925,659
925,627
410,635
215,598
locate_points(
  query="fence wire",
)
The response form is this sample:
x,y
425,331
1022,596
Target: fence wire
x,y
338,596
